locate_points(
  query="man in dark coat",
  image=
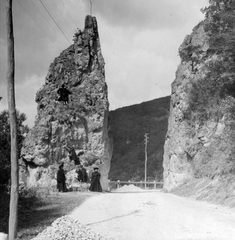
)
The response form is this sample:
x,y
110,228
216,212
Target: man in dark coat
x,y
64,94
95,181
84,175
73,156
81,174
61,185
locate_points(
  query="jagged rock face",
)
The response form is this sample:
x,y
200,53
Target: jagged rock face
x,y
198,152
178,147
82,123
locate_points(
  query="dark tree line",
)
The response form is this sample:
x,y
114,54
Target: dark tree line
x,y
5,143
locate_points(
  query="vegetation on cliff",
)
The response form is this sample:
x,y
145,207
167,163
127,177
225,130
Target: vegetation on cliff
x,y
199,150
128,126
214,95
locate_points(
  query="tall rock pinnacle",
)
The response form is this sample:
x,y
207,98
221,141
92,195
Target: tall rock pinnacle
x,y
82,123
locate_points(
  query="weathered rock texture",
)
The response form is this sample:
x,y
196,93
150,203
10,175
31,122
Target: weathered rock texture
x,y
82,123
199,148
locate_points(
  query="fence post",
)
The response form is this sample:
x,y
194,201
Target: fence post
x,y
129,182
118,184
108,185
155,185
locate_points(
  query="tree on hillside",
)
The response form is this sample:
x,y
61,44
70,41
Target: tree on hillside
x,y
5,143
127,127
220,22
219,26
214,95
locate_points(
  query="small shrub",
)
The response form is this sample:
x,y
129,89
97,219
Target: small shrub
x,y
36,192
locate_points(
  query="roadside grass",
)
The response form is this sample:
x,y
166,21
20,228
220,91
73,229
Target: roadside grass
x,y
37,211
217,191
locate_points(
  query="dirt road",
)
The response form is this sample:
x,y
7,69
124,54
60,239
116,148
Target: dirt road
x,y
148,215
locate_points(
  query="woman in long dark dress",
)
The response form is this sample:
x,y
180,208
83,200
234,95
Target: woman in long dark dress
x,y
95,181
61,186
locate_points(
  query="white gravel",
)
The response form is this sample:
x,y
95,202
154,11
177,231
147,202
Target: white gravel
x,y
129,188
66,228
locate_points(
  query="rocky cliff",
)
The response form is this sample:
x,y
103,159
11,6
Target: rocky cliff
x,y
199,158
82,123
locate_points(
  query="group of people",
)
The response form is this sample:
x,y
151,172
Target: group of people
x,y
82,176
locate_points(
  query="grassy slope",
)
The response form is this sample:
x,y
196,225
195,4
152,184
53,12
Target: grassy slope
x,y
37,213
128,126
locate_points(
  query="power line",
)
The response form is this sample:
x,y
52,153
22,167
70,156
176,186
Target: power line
x,y
68,14
54,21
37,23
63,17
1,20
38,9
1,34
91,2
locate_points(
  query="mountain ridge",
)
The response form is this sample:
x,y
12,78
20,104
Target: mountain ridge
x,y
127,127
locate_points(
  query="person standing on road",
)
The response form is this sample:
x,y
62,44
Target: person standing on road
x,y
61,185
95,181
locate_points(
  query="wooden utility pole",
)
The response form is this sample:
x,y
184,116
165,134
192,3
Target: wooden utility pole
x,y
146,159
13,218
91,1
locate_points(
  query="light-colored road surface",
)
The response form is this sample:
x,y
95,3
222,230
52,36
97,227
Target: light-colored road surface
x,y
155,215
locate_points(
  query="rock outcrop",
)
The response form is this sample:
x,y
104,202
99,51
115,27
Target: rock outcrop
x,y
81,124
199,146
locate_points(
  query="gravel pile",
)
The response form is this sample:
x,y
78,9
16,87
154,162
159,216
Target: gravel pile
x,y
66,228
129,188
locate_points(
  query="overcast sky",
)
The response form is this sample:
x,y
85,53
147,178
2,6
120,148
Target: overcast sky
x,y
139,42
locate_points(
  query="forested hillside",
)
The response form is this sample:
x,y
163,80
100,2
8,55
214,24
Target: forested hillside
x,y
128,126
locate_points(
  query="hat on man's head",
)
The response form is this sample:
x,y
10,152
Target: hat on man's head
x,y
61,165
95,167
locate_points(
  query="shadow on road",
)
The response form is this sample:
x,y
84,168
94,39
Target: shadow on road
x,y
116,217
